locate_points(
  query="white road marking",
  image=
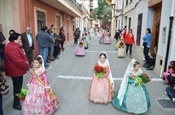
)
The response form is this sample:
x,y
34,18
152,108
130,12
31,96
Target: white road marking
x,y
101,51
89,78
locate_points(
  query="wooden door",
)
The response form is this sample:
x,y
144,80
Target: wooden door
x,y
156,26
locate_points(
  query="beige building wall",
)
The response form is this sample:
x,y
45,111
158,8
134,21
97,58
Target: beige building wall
x,y
9,16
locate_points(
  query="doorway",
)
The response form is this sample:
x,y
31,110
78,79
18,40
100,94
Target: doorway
x,y
156,25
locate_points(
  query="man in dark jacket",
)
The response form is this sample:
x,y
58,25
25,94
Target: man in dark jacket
x,y
28,44
44,42
2,43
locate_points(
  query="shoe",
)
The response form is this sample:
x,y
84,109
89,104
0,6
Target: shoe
x,y
17,107
147,66
173,100
57,57
130,56
47,66
143,59
52,59
165,93
150,68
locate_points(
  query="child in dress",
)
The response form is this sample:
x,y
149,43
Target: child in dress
x,y
40,99
132,97
101,89
169,72
80,51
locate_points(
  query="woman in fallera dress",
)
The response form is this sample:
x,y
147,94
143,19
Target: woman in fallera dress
x,y
101,88
132,97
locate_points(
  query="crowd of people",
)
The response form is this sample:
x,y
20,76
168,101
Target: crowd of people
x,y
17,56
125,42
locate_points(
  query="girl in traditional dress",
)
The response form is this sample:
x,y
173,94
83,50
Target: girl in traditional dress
x,y
40,99
80,50
101,89
107,39
121,47
132,97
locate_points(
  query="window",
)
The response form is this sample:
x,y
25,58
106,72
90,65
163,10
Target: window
x,y
129,26
119,24
58,19
41,20
126,2
139,29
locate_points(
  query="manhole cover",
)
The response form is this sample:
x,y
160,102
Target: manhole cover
x,y
166,103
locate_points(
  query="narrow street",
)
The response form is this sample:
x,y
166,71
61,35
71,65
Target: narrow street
x,y
70,78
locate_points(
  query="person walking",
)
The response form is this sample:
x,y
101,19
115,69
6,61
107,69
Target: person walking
x,y
16,65
129,41
28,44
117,35
147,43
76,36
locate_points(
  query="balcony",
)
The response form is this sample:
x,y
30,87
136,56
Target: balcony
x,y
70,7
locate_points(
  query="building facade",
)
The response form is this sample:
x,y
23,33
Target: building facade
x,y
18,14
156,15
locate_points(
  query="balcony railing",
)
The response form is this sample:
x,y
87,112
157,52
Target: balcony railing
x,y
75,4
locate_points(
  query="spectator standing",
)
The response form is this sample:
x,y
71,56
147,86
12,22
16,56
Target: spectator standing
x,y
51,48
2,43
56,44
44,42
16,65
63,38
28,44
147,42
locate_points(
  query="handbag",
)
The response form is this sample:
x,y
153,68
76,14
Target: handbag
x,y
49,90
145,44
4,88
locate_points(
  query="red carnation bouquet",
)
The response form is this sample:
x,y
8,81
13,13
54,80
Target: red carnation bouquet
x,y
98,70
121,44
81,44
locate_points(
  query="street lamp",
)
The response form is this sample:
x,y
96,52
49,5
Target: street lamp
x,y
117,10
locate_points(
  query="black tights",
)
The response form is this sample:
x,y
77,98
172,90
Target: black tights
x,y
129,46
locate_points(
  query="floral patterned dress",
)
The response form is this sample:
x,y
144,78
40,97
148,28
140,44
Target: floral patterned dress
x,y
38,101
100,88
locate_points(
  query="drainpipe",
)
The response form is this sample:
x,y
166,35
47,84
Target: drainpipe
x,y
171,18
122,14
